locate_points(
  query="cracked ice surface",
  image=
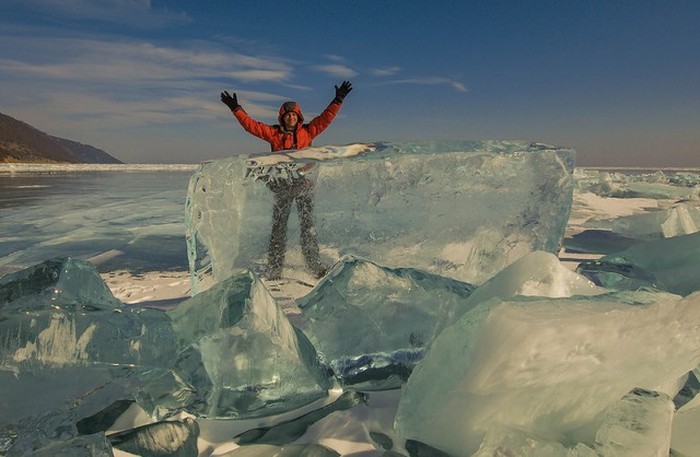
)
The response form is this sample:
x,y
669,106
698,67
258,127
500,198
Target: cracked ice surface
x,y
463,210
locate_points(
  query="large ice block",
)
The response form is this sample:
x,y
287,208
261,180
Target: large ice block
x,y
371,324
241,355
463,209
550,366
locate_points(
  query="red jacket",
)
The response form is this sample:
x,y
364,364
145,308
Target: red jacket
x,y
280,139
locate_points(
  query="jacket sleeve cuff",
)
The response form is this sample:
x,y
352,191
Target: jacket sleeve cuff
x,y
337,100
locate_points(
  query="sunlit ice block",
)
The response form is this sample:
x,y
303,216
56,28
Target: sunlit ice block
x,y
550,367
460,209
638,424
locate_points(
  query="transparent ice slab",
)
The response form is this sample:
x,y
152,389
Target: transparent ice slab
x,y
463,210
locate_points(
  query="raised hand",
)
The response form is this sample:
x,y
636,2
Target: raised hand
x,y
342,91
230,100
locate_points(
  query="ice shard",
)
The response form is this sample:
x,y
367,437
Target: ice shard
x,y
549,366
539,274
371,324
639,424
463,210
70,346
241,355
670,264
60,313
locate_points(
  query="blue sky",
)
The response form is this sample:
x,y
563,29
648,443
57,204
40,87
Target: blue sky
x,y
616,80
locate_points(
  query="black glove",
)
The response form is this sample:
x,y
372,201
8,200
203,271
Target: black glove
x,y
342,91
230,100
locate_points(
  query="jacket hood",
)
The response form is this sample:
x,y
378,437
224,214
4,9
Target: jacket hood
x,y
286,108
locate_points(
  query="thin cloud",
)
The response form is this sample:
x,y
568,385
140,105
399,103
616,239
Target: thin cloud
x,y
386,71
431,81
338,70
134,62
105,83
138,13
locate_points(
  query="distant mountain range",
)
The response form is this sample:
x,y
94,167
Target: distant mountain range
x,y
22,143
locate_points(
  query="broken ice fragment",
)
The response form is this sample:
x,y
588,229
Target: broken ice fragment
x,y
63,283
689,391
550,366
539,274
371,324
670,264
617,273
170,438
61,313
241,355
639,424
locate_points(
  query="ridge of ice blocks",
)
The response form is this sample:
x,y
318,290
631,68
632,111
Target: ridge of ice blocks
x,y
551,368
241,355
680,219
60,313
371,324
462,209
650,185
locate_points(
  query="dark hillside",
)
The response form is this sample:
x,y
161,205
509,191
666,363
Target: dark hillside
x,y
22,143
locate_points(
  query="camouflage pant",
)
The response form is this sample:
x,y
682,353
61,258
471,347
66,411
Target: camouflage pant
x,y
286,192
